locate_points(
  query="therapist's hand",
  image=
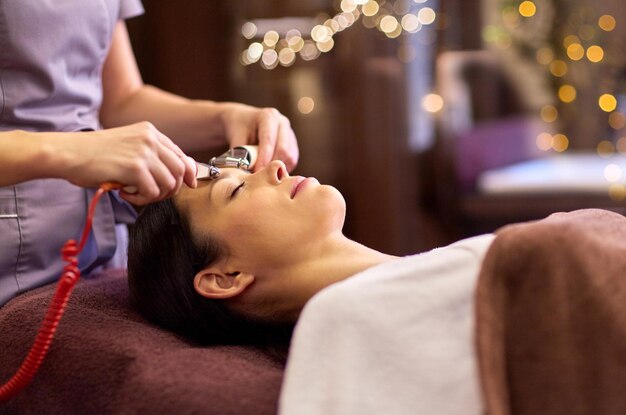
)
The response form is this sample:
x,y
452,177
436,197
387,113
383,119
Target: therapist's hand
x,y
265,127
137,155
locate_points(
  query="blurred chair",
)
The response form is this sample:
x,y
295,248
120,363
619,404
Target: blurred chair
x,y
488,168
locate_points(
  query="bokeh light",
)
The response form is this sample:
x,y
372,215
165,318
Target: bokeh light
x,y
432,103
286,57
558,68
612,172
605,148
426,15
575,51
544,141
248,30
570,40
388,24
269,59
326,45
527,8
617,120
617,192
549,113
560,142
544,55
271,38
567,93
607,23
306,105
410,23
255,50
370,8
595,53
607,102
348,6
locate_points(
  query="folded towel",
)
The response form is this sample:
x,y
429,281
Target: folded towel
x,y
394,339
551,317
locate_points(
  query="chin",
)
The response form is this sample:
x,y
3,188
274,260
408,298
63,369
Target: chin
x,y
332,206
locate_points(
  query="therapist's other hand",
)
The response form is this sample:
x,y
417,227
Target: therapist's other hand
x,y
136,155
267,128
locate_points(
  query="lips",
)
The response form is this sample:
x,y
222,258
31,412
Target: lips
x,y
297,183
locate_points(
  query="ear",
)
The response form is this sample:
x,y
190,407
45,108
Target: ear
x,y
214,283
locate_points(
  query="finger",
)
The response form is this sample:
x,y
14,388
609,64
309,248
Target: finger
x,y
287,146
188,175
239,135
168,171
147,190
268,129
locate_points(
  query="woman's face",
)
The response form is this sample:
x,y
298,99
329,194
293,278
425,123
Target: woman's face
x,y
265,218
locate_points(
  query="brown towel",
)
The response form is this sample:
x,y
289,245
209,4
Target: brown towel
x,y
107,360
551,317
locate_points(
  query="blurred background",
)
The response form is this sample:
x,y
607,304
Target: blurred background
x,y
437,119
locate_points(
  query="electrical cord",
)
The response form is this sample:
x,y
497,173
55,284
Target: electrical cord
x,y
69,278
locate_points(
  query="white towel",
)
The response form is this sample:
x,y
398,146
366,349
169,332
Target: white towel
x,y
394,339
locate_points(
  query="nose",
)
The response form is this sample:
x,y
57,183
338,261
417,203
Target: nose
x,y
276,171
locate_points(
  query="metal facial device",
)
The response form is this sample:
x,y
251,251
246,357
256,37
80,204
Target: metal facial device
x,y
243,157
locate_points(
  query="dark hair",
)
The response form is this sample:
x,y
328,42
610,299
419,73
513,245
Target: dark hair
x,y
163,258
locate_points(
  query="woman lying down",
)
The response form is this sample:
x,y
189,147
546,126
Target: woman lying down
x,y
247,254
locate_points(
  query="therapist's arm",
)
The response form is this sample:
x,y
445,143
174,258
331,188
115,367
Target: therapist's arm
x,y
192,124
137,155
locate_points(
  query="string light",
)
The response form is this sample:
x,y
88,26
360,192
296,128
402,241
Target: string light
x,y
390,18
573,46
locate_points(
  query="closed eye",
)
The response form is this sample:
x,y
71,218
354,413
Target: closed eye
x,y
237,189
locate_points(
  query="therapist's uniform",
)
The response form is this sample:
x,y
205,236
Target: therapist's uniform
x,y
51,58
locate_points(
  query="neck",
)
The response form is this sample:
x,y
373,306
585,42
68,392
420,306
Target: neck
x,y
336,259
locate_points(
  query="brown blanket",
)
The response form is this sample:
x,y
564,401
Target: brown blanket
x,y
107,360
551,317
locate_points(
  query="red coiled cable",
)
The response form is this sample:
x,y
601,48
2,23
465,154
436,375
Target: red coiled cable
x,y
69,278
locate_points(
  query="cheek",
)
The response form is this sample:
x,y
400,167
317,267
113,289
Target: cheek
x,y
269,224
327,209
251,224
262,239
